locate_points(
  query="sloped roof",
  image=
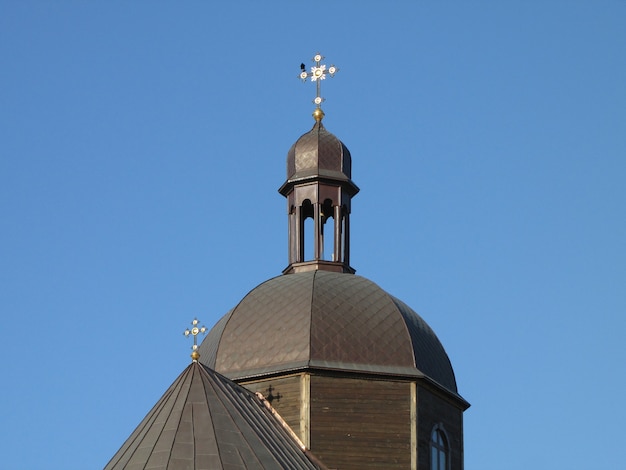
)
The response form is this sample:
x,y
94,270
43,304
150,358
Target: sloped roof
x,y
325,320
206,421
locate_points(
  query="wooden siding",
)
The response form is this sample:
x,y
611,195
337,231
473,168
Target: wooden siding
x,y
288,405
365,423
432,410
360,423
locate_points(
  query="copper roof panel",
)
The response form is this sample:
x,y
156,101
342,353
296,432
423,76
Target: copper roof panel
x,y
317,151
271,325
324,319
354,322
428,351
208,348
205,421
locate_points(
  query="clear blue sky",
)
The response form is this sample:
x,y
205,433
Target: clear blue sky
x,y
142,146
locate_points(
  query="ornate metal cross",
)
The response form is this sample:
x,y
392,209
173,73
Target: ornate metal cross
x,y
317,74
195,331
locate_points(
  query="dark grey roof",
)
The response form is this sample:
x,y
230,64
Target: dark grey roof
x,y
206,421
325,320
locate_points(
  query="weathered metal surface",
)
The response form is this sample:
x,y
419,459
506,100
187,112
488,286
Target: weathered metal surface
x,y
205,421
319,153
325,320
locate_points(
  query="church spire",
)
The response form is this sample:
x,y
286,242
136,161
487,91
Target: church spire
x,y
319,187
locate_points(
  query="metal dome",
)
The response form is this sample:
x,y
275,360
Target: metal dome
x,y
325,320
319,153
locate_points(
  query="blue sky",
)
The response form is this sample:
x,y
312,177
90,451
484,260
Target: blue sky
x,y
142,147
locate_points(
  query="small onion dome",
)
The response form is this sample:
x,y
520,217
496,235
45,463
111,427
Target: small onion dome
x,y
318,154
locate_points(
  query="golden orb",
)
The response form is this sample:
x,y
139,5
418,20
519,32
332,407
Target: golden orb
x,y
318,114
195,355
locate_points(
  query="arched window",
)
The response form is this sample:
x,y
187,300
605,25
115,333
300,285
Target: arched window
x,y
328,230
439,450
308,231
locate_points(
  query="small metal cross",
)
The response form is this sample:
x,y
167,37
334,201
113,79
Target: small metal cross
x,y
317,74
195,331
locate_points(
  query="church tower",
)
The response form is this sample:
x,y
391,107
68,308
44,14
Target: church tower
x,y
319,189
360,378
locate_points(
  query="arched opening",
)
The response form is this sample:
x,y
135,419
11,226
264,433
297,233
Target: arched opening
x,y
308,241
327,224
344,254
439,449
319,231
293,234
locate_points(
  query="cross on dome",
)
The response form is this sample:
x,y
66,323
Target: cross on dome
x,y
195,331
317,74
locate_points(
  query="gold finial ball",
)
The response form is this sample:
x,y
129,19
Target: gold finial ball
x,y
195,355
318,114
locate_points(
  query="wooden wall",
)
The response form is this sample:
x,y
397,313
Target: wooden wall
x,y
433,409
364,423
360,423
288,404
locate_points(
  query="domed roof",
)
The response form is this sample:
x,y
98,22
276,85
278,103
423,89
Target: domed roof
x,y
319,153
325,320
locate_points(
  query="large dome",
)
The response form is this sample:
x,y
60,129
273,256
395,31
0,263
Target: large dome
x,y
327,321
